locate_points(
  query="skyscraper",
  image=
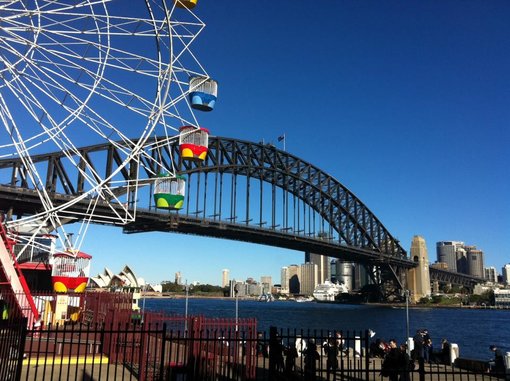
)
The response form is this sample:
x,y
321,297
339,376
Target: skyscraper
x,y
225,275
178,277
449,252
284,280
506,274
345,273
491,274
308,278
475,261
294,280
266,282
322,262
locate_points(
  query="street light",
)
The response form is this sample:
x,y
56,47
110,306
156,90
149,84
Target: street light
x,y
406,294
186,288
236,292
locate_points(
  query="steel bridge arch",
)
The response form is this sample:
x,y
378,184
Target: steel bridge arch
x,y
350,226
355,224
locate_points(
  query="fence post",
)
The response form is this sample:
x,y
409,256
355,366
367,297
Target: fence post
x,y
421,368
273,347
367,355
162,367
21,347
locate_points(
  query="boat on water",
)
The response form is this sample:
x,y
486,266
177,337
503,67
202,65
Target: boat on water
x,y
304,299
328,291
266,298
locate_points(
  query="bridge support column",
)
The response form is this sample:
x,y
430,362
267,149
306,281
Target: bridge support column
x,y
419,278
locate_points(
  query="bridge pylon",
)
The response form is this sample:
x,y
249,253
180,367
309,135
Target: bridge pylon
x,y
418,278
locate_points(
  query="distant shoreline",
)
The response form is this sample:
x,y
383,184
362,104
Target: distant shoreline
x,y
155,295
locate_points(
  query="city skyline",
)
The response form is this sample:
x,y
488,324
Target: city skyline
x,y
406,104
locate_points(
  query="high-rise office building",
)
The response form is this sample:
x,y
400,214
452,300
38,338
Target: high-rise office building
x,y
361,276
475,261
294,280
332,269
225,275
284,280
491,274
345,274
266,282
449,252
322,262
178,277
505,272
308,274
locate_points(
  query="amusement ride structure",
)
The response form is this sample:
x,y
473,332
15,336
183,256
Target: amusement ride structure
x,y
94,72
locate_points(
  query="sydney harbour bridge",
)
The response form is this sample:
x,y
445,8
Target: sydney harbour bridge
x,y
244,191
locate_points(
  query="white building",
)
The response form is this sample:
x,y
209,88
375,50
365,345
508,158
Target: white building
x,y
506,273
491,275
225,275
502,298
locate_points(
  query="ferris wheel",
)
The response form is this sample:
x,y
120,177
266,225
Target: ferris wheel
x,y
84,72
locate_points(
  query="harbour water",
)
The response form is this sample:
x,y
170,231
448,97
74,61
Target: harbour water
x,y
472,329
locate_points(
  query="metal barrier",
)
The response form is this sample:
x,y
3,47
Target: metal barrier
x,y
12,339
210,349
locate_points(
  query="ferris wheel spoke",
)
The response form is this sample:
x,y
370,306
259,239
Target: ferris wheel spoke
x,y
84,72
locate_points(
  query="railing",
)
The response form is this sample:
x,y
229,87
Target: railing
x,y
12,342
111,342
150,352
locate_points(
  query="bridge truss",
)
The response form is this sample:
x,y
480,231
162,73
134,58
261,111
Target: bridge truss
x,y
243,191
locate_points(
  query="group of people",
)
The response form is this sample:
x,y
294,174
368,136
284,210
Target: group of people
x,y
397,364
424,349
282,358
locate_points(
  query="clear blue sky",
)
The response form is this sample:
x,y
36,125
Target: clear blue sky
x,y
405,102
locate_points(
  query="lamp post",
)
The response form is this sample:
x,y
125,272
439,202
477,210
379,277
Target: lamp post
x,y
186,288
406,294
236,292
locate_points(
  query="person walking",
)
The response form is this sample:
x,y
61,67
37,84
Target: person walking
x,y
311,357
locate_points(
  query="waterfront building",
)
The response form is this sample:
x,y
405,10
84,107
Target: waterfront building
x,y
322,262
474,261
308,278
345,274
332,270
491,275
450,252
419,277
361,276
238,286
294,281
225,275
266,282
284,280
505,272
126,278
502,298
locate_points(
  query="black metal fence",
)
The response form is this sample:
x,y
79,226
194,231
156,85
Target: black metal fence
x,y
154,351
12,343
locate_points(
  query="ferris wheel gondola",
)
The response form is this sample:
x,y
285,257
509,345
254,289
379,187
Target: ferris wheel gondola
x,y
193,143
169,191
203,93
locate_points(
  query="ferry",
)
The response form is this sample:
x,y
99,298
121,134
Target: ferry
x,y
328,291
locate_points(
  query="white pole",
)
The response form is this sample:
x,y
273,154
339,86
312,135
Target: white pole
x,y
407,321
236,290
186,309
